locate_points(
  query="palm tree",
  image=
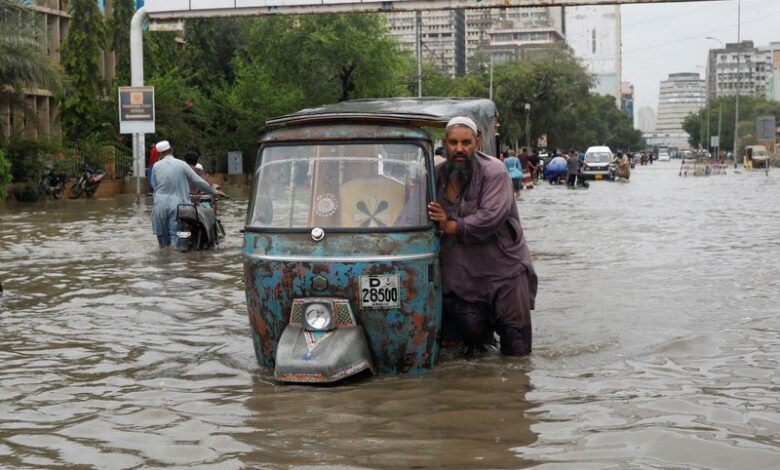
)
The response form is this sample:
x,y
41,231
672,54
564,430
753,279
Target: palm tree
x,y
23,60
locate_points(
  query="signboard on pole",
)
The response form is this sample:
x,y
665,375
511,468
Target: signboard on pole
x,y
715,141
765,128
136,110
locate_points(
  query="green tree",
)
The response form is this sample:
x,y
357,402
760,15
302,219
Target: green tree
x,y
210,46
5,174
553,87
183,113
122,14
750,108
288,63
81,111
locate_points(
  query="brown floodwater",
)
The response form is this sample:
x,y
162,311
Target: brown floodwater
x,y
657,346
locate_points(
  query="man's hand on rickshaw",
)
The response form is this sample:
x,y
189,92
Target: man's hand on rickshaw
x,y
446,225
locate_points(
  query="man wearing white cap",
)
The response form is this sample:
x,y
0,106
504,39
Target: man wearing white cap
x,y
488,274
171,181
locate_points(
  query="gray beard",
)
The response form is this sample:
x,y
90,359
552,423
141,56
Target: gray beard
x,y
460,171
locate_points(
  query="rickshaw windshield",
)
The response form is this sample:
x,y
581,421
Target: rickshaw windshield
x,y
341,185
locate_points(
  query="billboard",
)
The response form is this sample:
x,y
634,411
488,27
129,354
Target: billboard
x,y
136,110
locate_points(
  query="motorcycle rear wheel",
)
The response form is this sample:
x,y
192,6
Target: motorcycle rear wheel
x,y
76,190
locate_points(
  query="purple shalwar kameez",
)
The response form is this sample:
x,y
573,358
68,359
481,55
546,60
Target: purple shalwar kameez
x,y
488,274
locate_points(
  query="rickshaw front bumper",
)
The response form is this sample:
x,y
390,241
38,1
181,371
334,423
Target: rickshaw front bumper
x,y
311,357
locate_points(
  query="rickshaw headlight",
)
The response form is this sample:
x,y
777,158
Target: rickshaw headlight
x,y
318,317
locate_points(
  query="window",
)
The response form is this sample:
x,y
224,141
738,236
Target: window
x,y
341,185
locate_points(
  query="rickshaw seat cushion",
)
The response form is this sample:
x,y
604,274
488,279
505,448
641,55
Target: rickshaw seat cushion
x,y
371,202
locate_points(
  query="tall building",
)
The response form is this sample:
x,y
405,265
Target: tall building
x,y
773,85
594,33
681,94
515,33
752,76
443,37
645,120
35,117
453,39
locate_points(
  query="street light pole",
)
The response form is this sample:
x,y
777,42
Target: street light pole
x,y
720,117
708,127
491,77
720,105
418,31
528,127
739,81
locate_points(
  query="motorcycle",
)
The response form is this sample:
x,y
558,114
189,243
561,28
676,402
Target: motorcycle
x,y
87,183
53,182
199,227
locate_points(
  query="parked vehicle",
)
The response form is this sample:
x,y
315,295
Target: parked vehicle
x,y
663,157
199,227
87,183
342,272
597,163
53,182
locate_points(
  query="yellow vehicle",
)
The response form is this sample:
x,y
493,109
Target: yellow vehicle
x,y
755,156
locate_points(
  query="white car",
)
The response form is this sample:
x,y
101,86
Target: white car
x,y
596,164
663,157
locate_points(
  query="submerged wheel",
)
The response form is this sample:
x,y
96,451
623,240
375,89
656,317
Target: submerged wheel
x,y
75,190
58,191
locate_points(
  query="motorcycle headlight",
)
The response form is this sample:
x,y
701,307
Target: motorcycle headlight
x,y
318,317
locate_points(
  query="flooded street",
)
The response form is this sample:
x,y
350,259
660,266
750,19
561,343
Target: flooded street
x,y
656,341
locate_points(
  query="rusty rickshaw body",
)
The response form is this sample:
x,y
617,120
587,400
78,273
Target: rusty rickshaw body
x,y
340,260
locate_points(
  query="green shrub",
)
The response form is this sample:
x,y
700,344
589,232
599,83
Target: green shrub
x,y
30,192
27,157
5,174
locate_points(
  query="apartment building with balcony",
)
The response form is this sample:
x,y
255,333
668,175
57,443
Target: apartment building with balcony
x,y
451,38
742,67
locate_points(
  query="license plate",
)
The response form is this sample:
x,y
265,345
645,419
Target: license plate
x,y
380,291
598,177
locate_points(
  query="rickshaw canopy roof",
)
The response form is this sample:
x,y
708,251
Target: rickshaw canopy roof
x,y
432,112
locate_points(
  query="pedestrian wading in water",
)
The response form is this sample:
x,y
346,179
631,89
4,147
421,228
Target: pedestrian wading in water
x,y
489,282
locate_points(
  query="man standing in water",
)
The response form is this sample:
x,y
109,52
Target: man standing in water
x,y
489,279
171,181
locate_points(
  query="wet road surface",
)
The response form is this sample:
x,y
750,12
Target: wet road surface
x,y
656,346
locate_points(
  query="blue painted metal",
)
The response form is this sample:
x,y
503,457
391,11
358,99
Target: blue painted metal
x,y
403,340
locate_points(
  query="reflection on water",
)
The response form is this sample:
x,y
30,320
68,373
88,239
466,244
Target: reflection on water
x,y
656,337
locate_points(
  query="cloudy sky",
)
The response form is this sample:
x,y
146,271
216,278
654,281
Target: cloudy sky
x,y
659,39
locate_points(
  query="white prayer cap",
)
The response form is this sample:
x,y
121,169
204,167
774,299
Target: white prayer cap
x,y
463,121
163,146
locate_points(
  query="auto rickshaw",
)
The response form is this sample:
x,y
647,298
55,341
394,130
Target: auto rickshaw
x,y
340,260
756,156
